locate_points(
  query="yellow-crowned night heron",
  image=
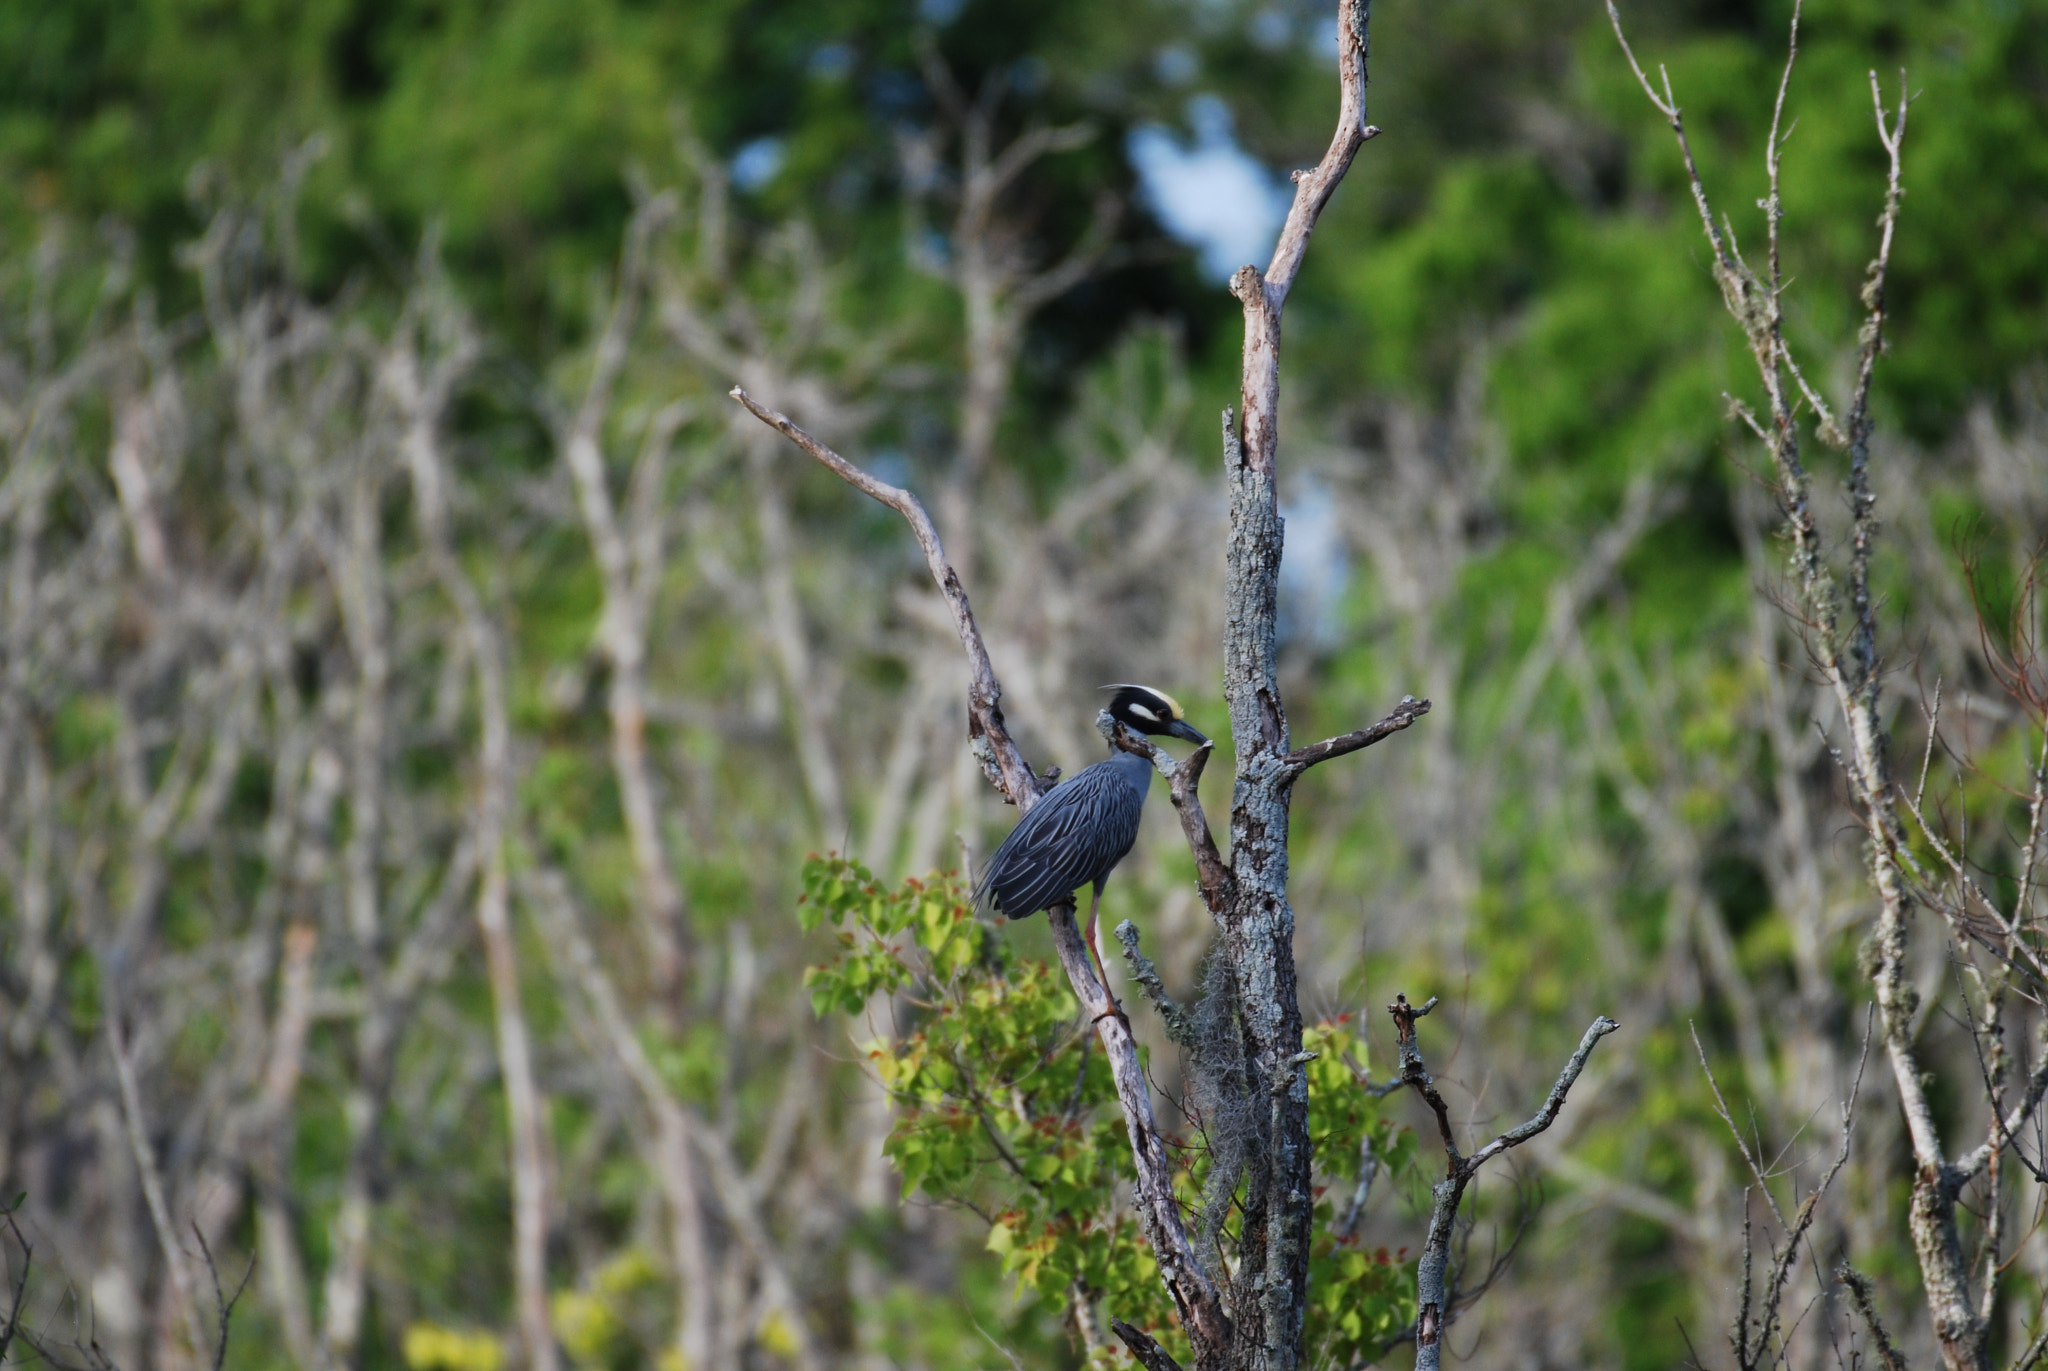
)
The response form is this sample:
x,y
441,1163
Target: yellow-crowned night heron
x,y
1081,828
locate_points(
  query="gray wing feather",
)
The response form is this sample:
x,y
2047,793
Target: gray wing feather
x,y
1071,838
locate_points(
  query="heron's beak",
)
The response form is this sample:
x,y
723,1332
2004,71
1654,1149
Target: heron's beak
x,y
1181,728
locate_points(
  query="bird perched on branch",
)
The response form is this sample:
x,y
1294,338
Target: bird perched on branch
x,y
1077,833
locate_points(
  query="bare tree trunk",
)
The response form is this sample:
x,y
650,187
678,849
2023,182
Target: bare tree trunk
x,y
1257,924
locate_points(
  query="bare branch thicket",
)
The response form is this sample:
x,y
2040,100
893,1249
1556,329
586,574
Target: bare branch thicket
x,y
86,1353
693,1162
1051,582
223,600
1529,743
730,1221
1193,1289
628,553
432,353
1838,629
1413,495
776,350
773,343
989,262
181,658
1780,820
1759,1337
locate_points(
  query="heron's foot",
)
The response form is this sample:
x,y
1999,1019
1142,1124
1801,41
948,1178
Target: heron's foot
x,y
1115,1010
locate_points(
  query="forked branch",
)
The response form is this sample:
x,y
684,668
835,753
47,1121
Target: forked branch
x,y
223,1303
1433,1295
1264,294
1313,186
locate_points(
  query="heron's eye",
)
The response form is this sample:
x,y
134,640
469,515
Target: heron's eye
x,y
1143,713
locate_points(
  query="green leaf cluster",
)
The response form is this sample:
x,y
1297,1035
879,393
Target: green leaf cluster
x,y
1003,1106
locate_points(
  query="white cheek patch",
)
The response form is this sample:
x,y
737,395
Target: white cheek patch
x,y
1143,713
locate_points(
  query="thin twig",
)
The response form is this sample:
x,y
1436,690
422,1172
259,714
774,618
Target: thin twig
x,y
1752,1160
13,1324
152,1181
1933,713
1860,1291
223,1303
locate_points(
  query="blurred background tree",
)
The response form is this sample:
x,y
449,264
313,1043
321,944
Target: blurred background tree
x,y
229,227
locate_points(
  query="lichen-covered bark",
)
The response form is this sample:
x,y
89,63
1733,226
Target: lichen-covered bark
x,y
1258,929
1269,1295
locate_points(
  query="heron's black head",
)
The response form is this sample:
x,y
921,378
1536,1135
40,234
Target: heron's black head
x,y
1145,710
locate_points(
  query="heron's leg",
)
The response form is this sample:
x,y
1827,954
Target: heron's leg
x,y
1094,911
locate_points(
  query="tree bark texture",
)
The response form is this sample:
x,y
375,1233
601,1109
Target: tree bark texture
x,y
1271,1287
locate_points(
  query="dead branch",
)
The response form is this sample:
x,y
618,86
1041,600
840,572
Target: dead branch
x,y
1404,714
1144,1347
223,1303
1859,1288
999,757
1219,886
1434,1298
